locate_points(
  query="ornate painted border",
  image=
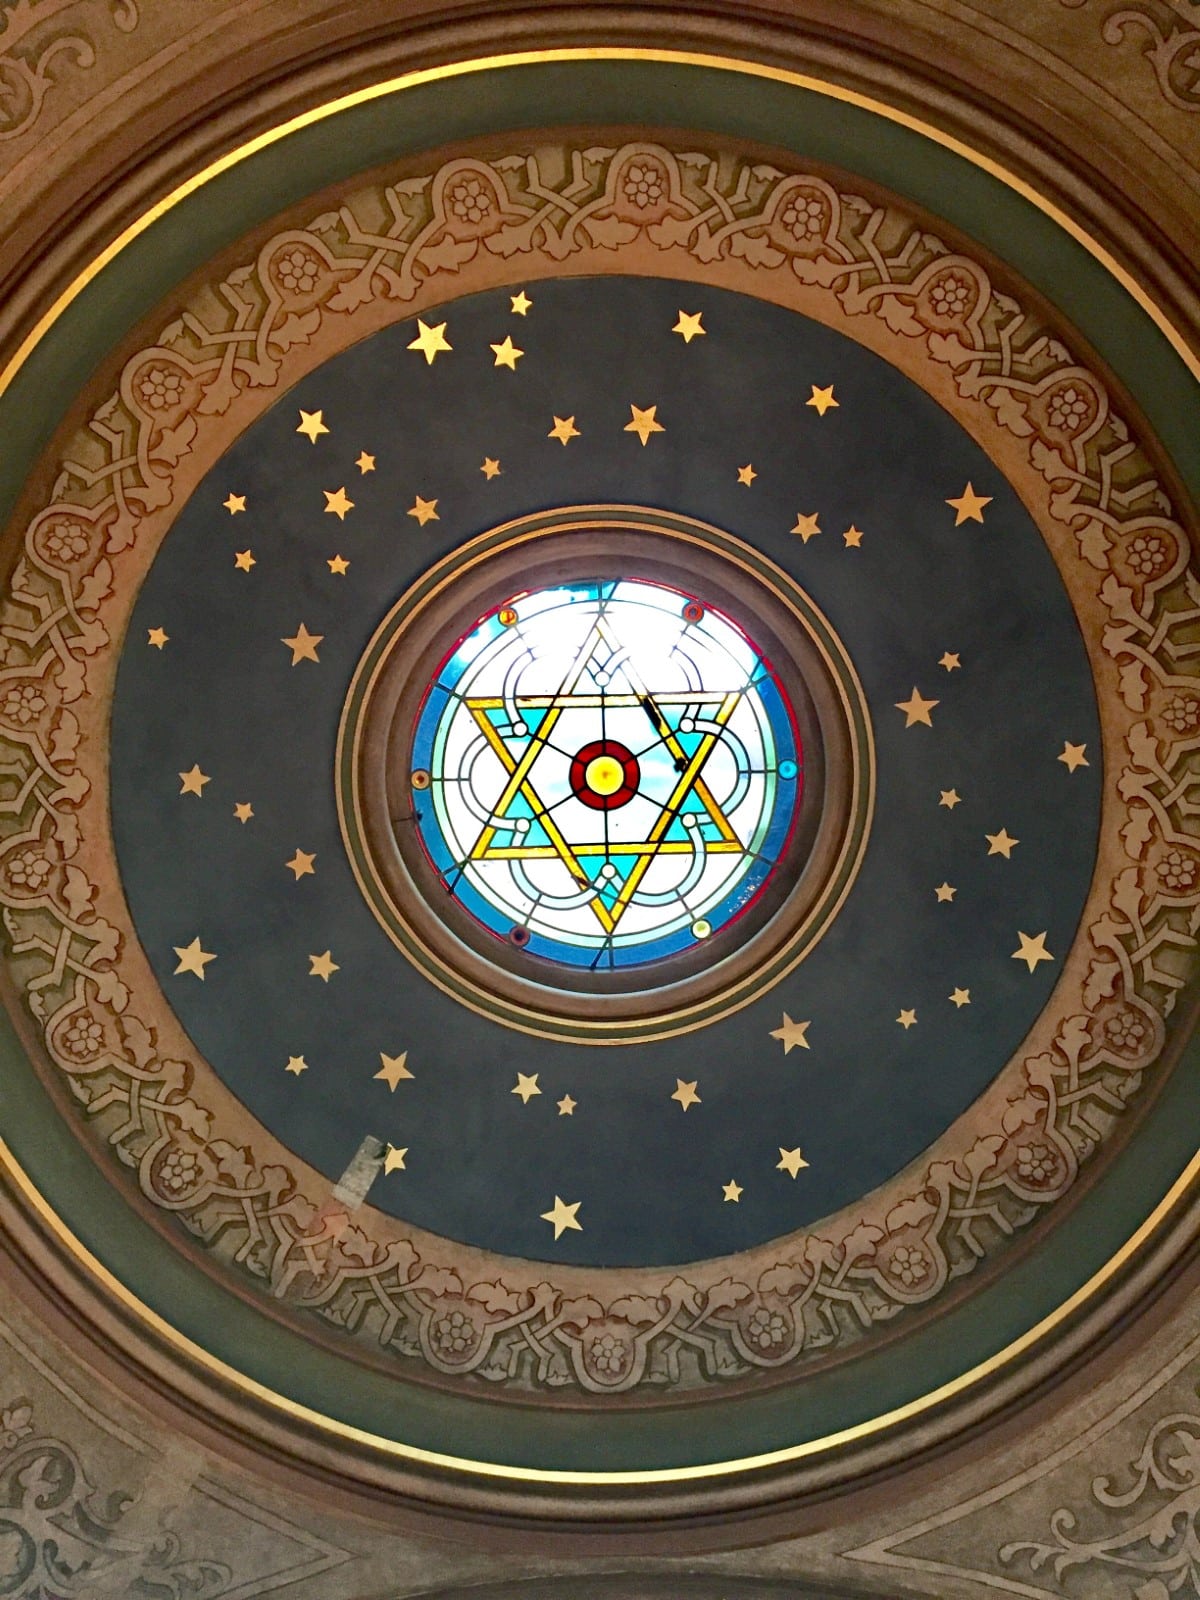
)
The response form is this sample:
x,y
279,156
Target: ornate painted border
x,y
383,253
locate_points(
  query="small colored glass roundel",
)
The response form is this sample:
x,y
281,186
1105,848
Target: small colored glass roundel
x,y
614,771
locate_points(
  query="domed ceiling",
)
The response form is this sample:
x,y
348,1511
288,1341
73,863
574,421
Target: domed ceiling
x,y
597,832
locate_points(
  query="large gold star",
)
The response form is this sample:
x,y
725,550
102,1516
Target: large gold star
x,y
323,967
424,511
303,645
564,429
1001,844
563,1217
949,798
193,782
685,1093
192,959
365,463
507,354
917,710
790,1161
520,303
1073,757
945,893
644,423
430,341
907,1019
393,1161
234,504
792,1034
296,1065
490,468
526,1086
969,506
732,1191
243,811
394,1069
566,1106
312,425
157,637
821,400
806,526
338,502
1032,950
746,474
961,997
688,327
243,560
300,864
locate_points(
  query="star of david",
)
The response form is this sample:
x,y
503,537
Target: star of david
x,y
605,774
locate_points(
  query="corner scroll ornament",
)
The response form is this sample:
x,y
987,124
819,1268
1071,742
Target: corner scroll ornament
x,y
1170,42
31,56
874,270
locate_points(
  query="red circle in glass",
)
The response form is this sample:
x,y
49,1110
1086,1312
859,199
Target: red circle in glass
x,y
604,775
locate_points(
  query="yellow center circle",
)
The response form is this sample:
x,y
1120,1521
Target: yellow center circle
x,y
604,775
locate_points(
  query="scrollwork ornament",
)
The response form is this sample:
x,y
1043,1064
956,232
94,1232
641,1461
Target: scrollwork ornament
x,y
31,56
1169,39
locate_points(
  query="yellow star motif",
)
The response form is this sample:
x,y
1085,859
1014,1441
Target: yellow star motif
x,y
394,1068
301,865
906,1019
566,1106
312,424
338,565
917,710
1001,844
490,468
193,782
790,1161
686,1094
644,423
969,506
157,637
243,811
234,504
564,429
853,537
337,503
303,645
746,474
950,661
731,1191
792,1034
1032,950
192,959
945,893
296,1065
507,354
393,1161
424,511
563,1217
520,303
243,560
688,327
365,463
821,400
806,527
1073,757
526,1086
430,341
949,798
322,967
961,998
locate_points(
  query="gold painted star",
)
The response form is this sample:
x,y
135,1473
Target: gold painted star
x,y
917,710
296,1065
685,1093
564,429
393,1069
192,959
193,782
853,537
312,425
790,1161
243,560
338,565
950,661
507,354
566,1106
961,998
945,893
1073,757
949,798
322,967
1001,844
338,502
821,400
157,637
424,511
243,811
563,1217
732,1191
520,303
644,423
430,341
303,645
907,1019
806,527
490,468
688,327
393,1161
792,1034
746,474
234,504
302,864
1032,950
526,1086
969,506
365,463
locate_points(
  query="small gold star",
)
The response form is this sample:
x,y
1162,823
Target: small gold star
x,y
688,326
644,423
806,526
338,565
243,811
917,710
686,1094
526,1086
430,341
394,1068
1001,844
945,893
192,959
424,511
564,428
243,560
338,502
906,1019
1073,757
234,504
193,782
365,463
507,354
563,1217
566,1106
312,424
322,967
792,1034
853,537
1032,950
950,661
303,645
969,506
520,303
732,1191
296,1065
490,468
746,474
790,1161
961,998
157,637
393,1161
821,400
302,864
949,798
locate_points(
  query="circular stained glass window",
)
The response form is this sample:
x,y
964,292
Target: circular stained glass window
x,y
613,770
